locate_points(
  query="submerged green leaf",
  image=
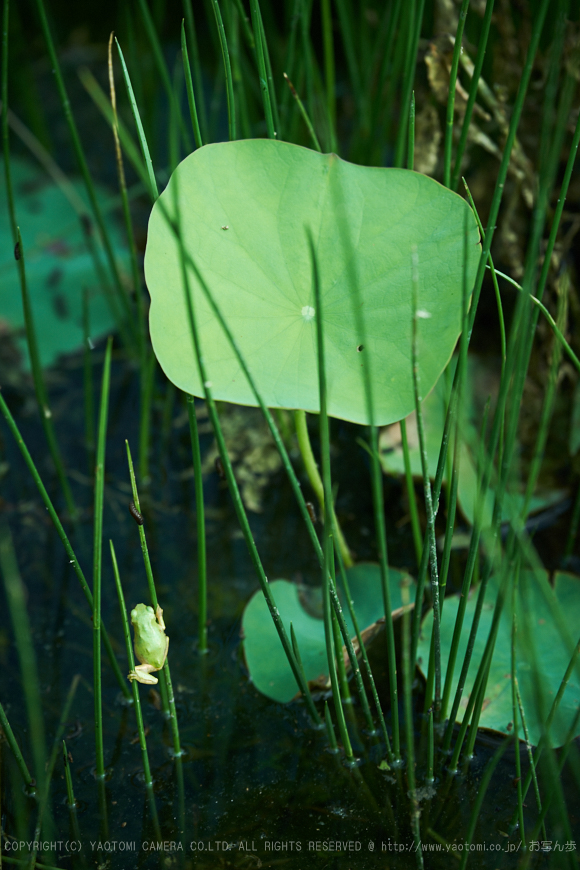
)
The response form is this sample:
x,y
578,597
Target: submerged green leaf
x,y
59,266
244,210
544,647
265,657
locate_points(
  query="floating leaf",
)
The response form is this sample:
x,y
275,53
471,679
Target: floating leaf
x,y
244,210
544,646
265,657
58,265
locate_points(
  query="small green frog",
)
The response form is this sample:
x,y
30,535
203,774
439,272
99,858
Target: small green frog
x,y
151,643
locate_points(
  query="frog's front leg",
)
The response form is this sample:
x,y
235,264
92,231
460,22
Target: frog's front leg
x,y
143,674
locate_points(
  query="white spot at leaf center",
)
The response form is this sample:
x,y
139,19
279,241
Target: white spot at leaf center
x,y
308,313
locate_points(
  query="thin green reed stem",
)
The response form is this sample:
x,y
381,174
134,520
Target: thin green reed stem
x,y
15,748
482,789
540,823
147,375
457,48
199,512
152,181
246,27
369,673
227,69
328,566
328,49
430,747
97,557
529,749
347,29
330,729
304,114
127,211
416,315
163,71
296,651
515,712
270,80
553,709
456,414
16,601
192,38
189,88
572,356
410,63
548,404
494,278
39,385
71,801
415,524
147,777
81,160
88,392
413,510
263,77
62,535
409,725
481,47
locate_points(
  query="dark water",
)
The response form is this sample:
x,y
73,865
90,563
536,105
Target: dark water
x,y
257,785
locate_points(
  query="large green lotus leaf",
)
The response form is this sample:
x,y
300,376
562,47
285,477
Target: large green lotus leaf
x,y
265,657
244,208
434,409
58,265
544,647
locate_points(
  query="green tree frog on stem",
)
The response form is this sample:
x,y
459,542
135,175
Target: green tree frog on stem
x,y
151,643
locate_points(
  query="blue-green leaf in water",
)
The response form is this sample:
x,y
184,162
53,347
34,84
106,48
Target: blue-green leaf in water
x,y
59,266
265,657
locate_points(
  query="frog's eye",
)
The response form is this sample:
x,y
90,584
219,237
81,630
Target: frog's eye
x,y
135,514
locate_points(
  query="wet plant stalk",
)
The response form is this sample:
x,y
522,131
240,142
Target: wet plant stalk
x,y
409,727
481,47
167,698
13,744
262,74
189,88
304,114
328,566
97,558
417,313
457,49
148,779
200,517
227,69
311,467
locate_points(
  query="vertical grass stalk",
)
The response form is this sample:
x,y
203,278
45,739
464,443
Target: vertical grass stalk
x,y
200,517
97,557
